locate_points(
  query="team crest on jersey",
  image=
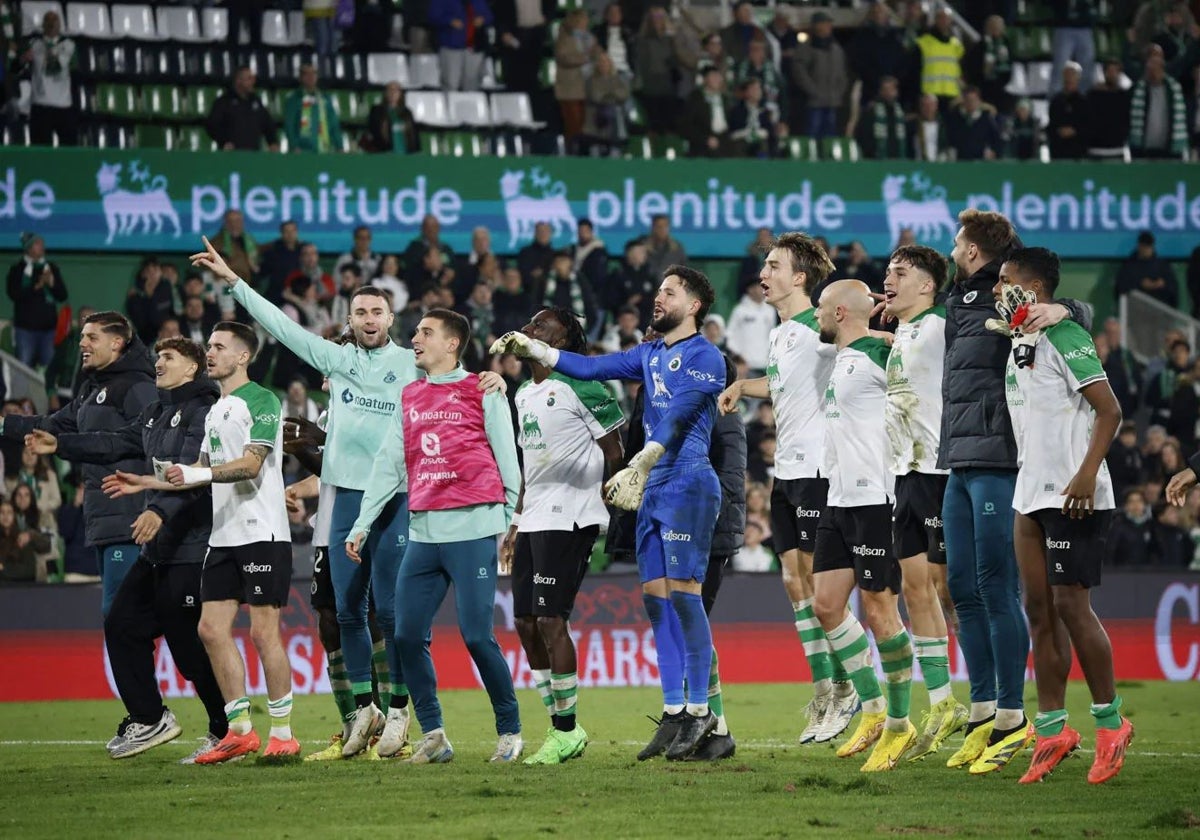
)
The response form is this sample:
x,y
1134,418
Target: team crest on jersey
x,y
550,400
226,416
791,342
175,419
850,369
969,297
674,364
102,396
390,378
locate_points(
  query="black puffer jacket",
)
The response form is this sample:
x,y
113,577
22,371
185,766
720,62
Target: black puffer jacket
x,y
108,400
171,429
976,429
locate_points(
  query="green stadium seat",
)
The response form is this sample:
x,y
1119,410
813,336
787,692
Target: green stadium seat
x,y
839,149
635,120
462,144
431,144
193,138
153,137
669,147
163,102
801,148
1041,42
548,72
200,100
639,148
116,100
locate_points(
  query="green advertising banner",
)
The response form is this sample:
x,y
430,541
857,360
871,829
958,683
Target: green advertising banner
x,y
156,201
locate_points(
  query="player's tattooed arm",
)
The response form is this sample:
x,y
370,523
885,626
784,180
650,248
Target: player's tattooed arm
x,y
245,468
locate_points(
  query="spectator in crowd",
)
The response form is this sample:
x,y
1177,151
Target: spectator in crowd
x,y
1185,410
662,249
62,374
461,40
573,50
1074,40
989,64
302,304
859,265
751,264
36,475
1172,546
431,272
758,65
466,266
878,52
760,465
754,124
431,237
1124,459
1152,446
238,247
360,254
250,13
783,38
169,329
589,256
632,283
197,322
1157,113
18,548
623,331
36,288
941,61
1123,370
50,56
753,556
883,132
616,39
656,66
607,93
310,120
391,126
705,120
29,517
1151,20
239,120
748,333
279,259
389,280
737,36
298,403
406,325
562,286
310,269
712,54
150,301
931,140
1131,537
510,302
1160,386
319,21
521,26
819,70
1068,125
1179,45
350,280
974,134
714,330
1024,133
479,310
1108,112
1145,271
533,261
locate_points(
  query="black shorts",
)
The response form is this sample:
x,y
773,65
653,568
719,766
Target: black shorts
x,y
548,569
1074,547
858,538
322,582
917,519
796,506
259,574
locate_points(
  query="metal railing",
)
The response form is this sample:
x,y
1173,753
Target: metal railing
x,y
1144,320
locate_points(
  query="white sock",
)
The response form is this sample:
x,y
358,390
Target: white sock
x,y
722,727
892,724
697,709
982,711
1009,718
672,708
822,687
937,695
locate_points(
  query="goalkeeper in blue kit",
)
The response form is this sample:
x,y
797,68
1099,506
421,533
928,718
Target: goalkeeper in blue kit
x,y
672,485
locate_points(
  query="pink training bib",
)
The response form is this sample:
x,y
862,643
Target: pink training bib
x,y
450,462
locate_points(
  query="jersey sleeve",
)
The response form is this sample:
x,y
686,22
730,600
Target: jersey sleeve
x,y
324,355
1078,352
627,365
264,410
600,409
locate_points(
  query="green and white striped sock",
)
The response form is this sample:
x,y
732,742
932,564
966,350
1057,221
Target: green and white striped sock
x,y
281,717
933,654
896,656
1049,724
816,646
850,646
541,679
339,684
565,688
237,712
383,674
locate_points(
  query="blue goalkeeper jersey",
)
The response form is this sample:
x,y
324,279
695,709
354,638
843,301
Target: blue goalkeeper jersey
x,y
682,381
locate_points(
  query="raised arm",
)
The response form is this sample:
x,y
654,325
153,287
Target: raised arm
x,y
626,365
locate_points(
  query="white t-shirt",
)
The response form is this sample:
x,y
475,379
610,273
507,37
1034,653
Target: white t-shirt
x,y
749,329
52,71
914,393
757,559
856,442
798,368
559,421
251,511
1052,421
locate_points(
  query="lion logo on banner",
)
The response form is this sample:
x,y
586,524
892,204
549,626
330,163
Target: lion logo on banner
x,y
926,216
523,211
124,209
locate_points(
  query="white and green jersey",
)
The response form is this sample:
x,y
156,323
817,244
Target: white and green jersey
x,y
798,367
914,393
856,440
251,511
558,423
1052,421
364,390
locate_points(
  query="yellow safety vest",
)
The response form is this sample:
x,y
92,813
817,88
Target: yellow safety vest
x,y
941,65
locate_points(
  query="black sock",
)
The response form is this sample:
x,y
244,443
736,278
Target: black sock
x,y
399,701
999,735
363,700
564,723
973,725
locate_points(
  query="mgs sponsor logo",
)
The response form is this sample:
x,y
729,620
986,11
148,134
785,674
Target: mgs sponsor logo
x,y
1080,353
255,568
675,536
701,375
867,551
543,580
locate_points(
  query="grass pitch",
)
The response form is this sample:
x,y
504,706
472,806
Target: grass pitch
x,y
59,782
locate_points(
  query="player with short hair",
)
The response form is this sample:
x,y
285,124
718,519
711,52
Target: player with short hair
x,y
568,431
672,485
797,376
249,559
1064,417
854,546
457,446
914,415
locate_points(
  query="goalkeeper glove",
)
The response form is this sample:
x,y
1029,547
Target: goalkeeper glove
x,y
525,347
624,490
1013,307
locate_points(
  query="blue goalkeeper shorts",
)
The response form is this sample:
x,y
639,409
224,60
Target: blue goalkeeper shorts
x,y
675,526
